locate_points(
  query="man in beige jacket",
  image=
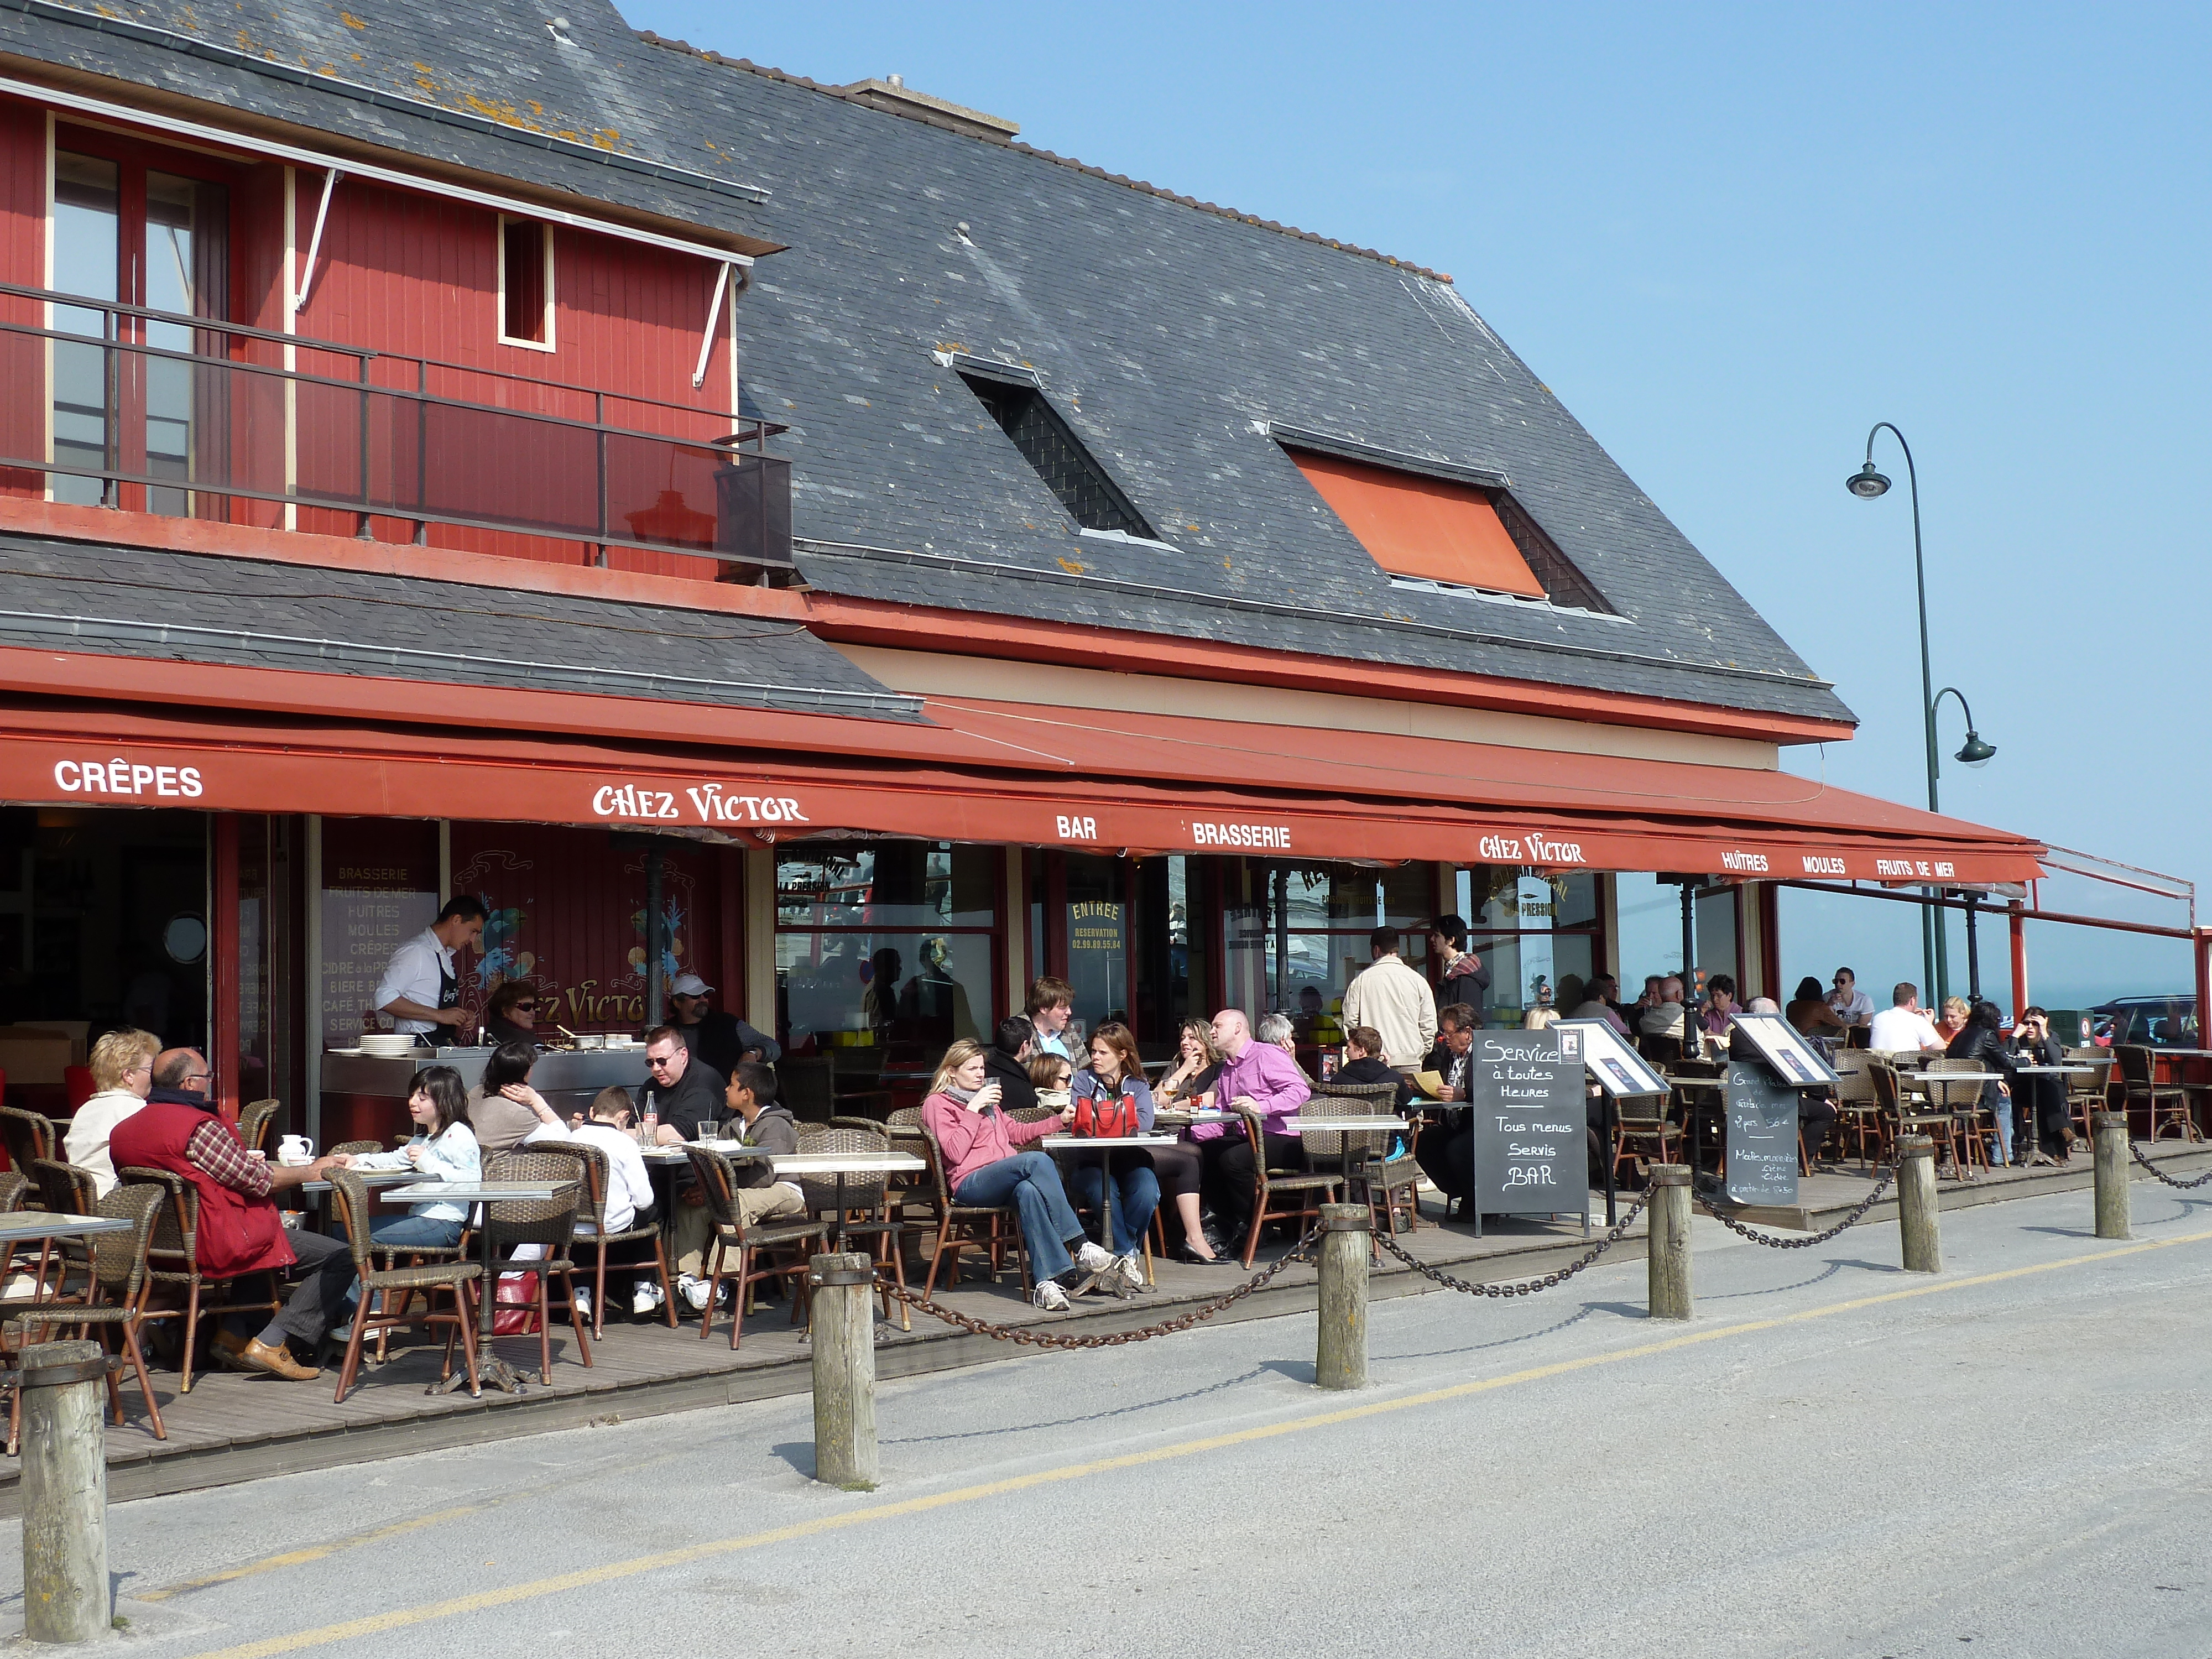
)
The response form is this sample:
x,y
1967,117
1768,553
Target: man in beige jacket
x,y
1396,1000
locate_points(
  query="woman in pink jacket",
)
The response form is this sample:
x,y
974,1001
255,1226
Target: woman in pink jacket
x,y
978,1142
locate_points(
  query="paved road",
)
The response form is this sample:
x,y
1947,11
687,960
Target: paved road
x,y
1832,1460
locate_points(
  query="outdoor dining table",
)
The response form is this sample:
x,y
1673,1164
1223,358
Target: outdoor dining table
x,y
492,1370
1105,1147
22,1224
841,1165
1302,1125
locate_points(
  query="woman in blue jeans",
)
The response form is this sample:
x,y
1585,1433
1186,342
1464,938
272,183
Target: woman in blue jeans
x,y
1114,1085
444,1149
983,1167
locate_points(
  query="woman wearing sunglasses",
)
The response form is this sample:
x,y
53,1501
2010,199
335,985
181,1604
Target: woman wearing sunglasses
x,y
511,1016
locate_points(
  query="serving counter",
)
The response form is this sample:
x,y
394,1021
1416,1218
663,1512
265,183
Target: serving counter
x,y
365,1097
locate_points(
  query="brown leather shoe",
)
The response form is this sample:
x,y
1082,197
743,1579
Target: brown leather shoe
x,y
228,1345
277,1361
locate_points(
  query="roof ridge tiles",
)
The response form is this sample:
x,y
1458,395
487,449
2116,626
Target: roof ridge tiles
x,y
768,72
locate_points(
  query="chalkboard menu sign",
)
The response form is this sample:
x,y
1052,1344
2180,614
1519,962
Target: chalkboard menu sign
x,y
1762,1135
1531,1148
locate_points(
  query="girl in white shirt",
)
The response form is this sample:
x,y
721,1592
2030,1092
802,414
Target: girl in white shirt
x,y
443,1148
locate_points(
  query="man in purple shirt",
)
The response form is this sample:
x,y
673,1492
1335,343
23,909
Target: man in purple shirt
x,y
1255,1077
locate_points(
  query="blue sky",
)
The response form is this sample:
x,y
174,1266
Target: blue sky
x,y
1731,239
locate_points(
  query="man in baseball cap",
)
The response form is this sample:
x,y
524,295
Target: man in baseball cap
x,y
719,1039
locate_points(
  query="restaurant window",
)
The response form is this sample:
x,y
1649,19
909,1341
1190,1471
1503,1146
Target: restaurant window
x,y
1302,933
1170,939
526,284
884,948
1537,933
1096,913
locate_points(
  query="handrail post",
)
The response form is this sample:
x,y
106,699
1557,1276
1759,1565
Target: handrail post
x,y
65,1588
1666,1251
2110,1130
1917,1213
844,1370
1341,1345
363,533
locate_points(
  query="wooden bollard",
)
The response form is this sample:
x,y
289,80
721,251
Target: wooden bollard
x,y
2110,1130
1668,1248
1916,1214
65,1593
1340,1351
844,1371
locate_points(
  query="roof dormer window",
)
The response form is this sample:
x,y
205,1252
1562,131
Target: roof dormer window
x,y
1019,404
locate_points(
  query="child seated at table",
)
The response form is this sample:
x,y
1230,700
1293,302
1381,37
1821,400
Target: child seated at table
x,y
1054,1078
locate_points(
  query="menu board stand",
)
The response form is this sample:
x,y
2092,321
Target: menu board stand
x,y
1621,1073
1531,1129
1761,1135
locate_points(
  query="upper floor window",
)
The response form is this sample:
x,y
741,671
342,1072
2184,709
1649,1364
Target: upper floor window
x,y
1092,499
525,284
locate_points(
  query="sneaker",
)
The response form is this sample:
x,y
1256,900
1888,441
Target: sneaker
x,y
1132,1271
1093,1258
583,1298
1050,1297
646,1299
693,1289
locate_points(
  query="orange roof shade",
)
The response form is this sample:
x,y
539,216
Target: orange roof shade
x,y
1421,526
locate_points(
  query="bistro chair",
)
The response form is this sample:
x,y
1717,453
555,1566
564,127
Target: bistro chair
x,y
868,1194
63,1189
1858,1108
1283,1195
173,1259
2164,1104
353,1149
115,1298
2086,1093
912,1197
856,1079
594,1173
1383,1176
764,1251
27,1137
387,1292
253,1121
1643,1132
14,1186
1905,1113
965,1226
551,1222
1975,1125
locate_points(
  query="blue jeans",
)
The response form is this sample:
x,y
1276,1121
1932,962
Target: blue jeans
x,y
1136,1195
1030,1182
400,1232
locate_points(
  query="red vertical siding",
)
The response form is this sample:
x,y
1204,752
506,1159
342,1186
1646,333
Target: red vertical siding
x,y
568,909
22,261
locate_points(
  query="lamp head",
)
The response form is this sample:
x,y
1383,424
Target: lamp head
x,y
1975,751
1866,483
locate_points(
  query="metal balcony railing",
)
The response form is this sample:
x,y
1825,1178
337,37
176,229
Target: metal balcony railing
x,y
194,417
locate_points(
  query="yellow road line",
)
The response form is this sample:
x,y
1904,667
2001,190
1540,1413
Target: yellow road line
x,y
585,1578
313,1553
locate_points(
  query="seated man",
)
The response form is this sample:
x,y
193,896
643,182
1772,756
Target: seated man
x,y
1255,1077
1013,1046
1445,1150
1901,1028
630,1189
240,1231
181,1077
1663,1018
759,1196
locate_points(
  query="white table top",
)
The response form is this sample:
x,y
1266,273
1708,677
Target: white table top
x,y
2055,1071
1191,1115
44,1224
476,1192
674,1154
845,1162
1299,1126
1924,1078
1080,1143
366,1177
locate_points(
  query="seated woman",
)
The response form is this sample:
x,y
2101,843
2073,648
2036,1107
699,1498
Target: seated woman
x,y
977,1142
511,1016
1953,1021
1052,1080
1116,1075
1188,1087
1809,1014
505,1110
1197,1068
444,1149
1980,1041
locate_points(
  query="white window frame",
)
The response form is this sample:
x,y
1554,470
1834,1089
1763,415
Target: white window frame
x,y
545,242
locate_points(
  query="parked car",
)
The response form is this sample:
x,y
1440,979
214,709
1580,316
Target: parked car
x,y
2168,1022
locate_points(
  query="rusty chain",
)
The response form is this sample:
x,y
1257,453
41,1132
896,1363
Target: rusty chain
x,y
2169,1180
1524,1286
1032,1338
1885,1175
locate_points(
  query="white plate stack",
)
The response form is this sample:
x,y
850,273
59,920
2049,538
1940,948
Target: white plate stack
x,y
388,1045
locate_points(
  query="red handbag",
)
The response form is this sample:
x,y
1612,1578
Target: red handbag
x,y
514,1306
1108,1118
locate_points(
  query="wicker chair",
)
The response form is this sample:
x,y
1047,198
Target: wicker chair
x,y
551,1222
1906,1115
912,1198
2166,1104
2086,1093
869,1194
173,1259
116,1298
964,1226
13,1186
253,1122
387,1292
1308,1188
593,1172
1379,1175
353,1149
764,1251
64,1189
1858,1108
1977,1125
1641,1130
26,1136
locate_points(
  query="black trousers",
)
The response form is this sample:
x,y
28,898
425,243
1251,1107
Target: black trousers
x,y
1445,1153
325,1273
1226,1176
1816,1118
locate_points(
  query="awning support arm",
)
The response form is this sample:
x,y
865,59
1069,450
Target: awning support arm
x,y
714,316
330,177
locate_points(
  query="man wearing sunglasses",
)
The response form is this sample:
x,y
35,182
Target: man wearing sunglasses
x,y
182,1079
719,1038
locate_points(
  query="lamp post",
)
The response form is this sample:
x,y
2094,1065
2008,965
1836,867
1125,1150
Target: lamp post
x,y
1867,485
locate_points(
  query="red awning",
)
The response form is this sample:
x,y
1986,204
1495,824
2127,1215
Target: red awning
x,y
1000,773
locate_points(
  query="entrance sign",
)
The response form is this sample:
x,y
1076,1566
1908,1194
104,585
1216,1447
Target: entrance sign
x,y
1531,1151
1762,1135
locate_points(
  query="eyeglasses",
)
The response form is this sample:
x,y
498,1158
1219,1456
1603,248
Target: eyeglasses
x,y
523,1007
196,1078
661,1063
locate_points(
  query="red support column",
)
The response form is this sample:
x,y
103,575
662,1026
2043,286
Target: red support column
x,y
2019,962
222,961
2203,944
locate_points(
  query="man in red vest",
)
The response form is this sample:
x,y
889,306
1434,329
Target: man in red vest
x,y
240,1231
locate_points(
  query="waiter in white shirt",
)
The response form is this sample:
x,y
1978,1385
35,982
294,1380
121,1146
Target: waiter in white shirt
x,y
419,989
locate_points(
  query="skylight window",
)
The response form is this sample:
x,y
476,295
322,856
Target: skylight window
x,y
1091,498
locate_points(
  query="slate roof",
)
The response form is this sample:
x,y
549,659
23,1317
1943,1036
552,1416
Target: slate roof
x,y
184,607
1168,336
